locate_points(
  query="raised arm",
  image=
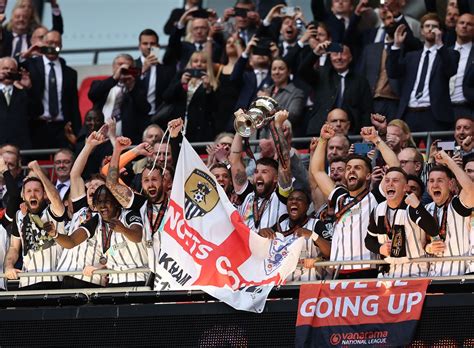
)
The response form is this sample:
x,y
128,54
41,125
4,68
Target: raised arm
x,y
237,167
122,193
316,164
284,163
66,241
57,206
370,134
77,183
467,192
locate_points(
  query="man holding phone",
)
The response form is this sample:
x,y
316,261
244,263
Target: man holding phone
x,y
336,87
15,102
54,94
246,20
156,76
122,97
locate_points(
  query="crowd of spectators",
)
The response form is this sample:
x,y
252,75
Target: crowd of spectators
x,y
345,69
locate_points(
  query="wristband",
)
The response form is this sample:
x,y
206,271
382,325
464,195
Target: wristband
x,y
314,236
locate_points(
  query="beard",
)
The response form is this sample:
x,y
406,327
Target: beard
x,y
357,185
268,188
157,196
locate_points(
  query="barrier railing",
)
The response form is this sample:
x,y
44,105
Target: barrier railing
x,y
428,135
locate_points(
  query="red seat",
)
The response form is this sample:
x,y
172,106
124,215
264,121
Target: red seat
x,y
84,103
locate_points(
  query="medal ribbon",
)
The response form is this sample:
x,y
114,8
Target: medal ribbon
x,y
343,209
159,217
292,229
444,219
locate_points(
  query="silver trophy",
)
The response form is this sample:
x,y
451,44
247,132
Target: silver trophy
x,y
261,112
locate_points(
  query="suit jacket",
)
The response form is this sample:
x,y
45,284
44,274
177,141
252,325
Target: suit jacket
x,y
7,36
164,76
14,118
467,82
199,110
247,81
356,100
404,68
369,66
69,97
336,27
180,51
134,108
291,98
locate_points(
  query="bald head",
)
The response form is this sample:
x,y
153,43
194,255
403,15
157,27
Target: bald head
x,y
339,119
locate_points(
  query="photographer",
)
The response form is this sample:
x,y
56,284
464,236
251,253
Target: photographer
x,y
14,104
122,97
192,95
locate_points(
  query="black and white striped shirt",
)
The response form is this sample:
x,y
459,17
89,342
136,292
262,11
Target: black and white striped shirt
x,y
351,228
275,206
122,253
85,254
406,227
458,228
309,250
40,251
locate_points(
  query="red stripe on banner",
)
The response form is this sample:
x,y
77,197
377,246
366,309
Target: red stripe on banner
x,y
219,263
355,303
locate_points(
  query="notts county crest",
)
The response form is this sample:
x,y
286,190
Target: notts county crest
x,y
201,194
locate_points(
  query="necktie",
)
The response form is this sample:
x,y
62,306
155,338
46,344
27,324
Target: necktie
x,y
60,186
452,80
340,92
199,47
7,94
53,92
116,112
424,72
17,49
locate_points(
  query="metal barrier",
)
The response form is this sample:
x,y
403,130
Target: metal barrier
x,y
428,135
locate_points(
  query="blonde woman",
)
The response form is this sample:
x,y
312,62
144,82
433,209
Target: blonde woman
x,y
192,94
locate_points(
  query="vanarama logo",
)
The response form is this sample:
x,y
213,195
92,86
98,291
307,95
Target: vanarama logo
x,y
359,338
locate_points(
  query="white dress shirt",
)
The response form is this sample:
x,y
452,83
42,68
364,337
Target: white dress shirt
x,y
24,42
424,100
62,191
457,95
151,88
59,85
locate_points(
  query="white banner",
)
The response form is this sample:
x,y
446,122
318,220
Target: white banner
x,y
205,244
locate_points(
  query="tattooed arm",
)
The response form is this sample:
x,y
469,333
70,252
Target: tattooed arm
x,y
122,193
237,168
284,165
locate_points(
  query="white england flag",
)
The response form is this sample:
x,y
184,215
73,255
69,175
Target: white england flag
x,y
205,244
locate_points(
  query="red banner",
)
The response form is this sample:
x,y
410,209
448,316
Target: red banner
x,y
353,314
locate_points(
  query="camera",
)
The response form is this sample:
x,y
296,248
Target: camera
x,y
13,76
49,50
196,73
131,71
240,12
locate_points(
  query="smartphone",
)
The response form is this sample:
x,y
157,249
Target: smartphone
x,y
49,50
362,148
240,12
289,11
132,71
196,73
14,76
334,47
200,13
446,145
155,51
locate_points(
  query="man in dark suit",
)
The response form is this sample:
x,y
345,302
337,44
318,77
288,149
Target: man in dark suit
x,y
337,19
15,102
54,91
251,80
424,74
156,77
180,51
122,97
461,88
246,20
18,39
336,87
372,65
